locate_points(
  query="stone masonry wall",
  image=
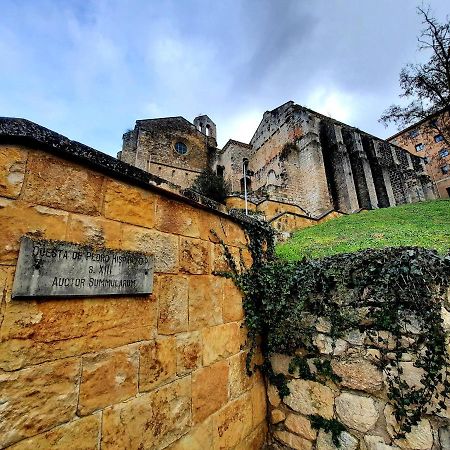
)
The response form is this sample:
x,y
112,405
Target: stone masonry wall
x,y
359,401
162,371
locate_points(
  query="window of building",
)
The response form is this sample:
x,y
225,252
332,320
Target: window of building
x,y
420,147
438,138
443,153
413,133
445,169
181,148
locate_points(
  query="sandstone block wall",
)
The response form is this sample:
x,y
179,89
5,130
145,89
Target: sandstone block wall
x,y
359,401
163,371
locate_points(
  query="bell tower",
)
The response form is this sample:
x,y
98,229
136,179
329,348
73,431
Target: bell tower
x,y
206,126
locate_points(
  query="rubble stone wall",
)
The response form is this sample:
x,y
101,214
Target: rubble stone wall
x,y
359,401
161,371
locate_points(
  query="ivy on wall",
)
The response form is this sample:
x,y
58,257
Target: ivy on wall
x,y
382,293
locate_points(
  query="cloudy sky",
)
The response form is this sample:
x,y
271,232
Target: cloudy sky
x,y
89,68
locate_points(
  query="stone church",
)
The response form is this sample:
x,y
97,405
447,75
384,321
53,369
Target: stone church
x,y
297,158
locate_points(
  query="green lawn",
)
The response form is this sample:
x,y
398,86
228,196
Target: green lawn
x,y
425,224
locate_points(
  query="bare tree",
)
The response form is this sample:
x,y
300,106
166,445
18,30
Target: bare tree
x,y
426,85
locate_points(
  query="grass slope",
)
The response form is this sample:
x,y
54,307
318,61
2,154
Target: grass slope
x,y
425,224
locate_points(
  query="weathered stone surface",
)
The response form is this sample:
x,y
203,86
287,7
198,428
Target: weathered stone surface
x,y
273,396
94,231
355,337
444,438
61,184
412,375
172,293
189,352
239,381
359,374
233,310
280,363
259,405
209,390
232,423
419,438
199,437
323,325
300,425
377,443
12,170
33,332
153,420
205,301
195,256
446,319
255,440
108,378
163,246
82,434
18,219
340,347
129,204
292,440
37,399
220,342
357,412
277,416
158,363
346,441
178,218
220,263
309,397
323,343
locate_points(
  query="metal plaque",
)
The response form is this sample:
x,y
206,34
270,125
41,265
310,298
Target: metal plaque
x,y
55,268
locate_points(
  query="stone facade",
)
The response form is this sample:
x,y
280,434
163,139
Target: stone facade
x,y
296,157
160,371
359,401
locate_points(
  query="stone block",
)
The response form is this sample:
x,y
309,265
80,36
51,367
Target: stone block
x,y
232,423
37,399
108,378
259,404
235,235
220,263
94,231
12,170
239,381
377,443
37,331
82,434
176,217
359,374
309,397
209,390
195,256
255,440
129,204
419,438
273,396
232,307
172,293
205,301
280,363
444,438
356,412
323,343
61,184
220,342
18,219
163,246
277,416
292,440
198,437
189,352
300,425
158,363
153,420
346,441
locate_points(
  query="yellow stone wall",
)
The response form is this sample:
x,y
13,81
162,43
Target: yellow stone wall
x,y
165,370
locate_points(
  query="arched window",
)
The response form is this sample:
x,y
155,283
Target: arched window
x,y
181,148
271,177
